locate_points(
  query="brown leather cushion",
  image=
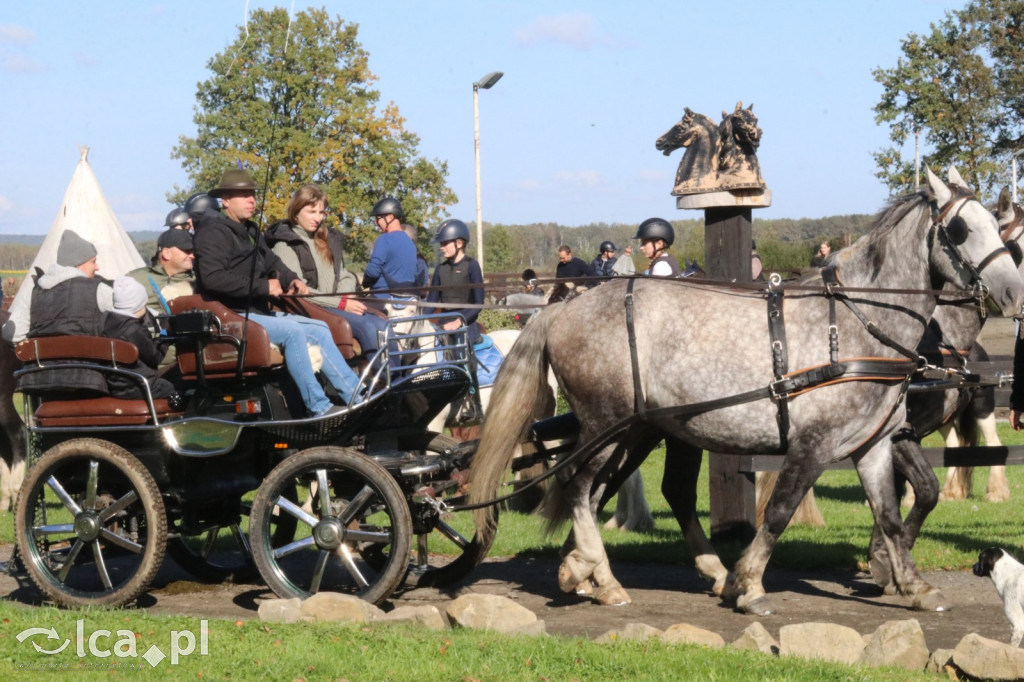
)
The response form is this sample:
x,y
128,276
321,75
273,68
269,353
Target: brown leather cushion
x,y
94,348
104,411
221,358
341,331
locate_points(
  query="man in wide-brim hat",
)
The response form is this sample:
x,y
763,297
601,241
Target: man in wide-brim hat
x,y
226,241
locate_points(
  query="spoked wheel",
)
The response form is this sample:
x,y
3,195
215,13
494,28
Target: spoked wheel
x,y
447,545
221,551
356,538
90,524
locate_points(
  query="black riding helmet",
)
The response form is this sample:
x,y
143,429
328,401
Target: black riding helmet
x,y
452,229
656,228
199,203
178,217
388,205
608,247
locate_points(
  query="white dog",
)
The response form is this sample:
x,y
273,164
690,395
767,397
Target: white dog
x,y
1008,576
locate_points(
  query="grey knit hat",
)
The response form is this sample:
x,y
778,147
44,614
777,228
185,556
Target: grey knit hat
x,y
73,250
129,296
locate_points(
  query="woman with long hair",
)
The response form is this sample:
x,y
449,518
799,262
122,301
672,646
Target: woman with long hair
x,y
313,250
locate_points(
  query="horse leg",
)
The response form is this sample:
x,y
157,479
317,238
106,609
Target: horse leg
x,y
875,469
585,558
909,463
12,441
679,487
631,509
797,476
958,479
998,489
807,511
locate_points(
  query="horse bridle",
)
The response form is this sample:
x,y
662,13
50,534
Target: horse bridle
x,y
941,227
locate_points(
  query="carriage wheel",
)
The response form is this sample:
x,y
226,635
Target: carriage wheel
x,y
221,552
90,524
358,511
450,548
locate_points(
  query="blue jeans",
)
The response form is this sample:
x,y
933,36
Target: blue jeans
x,y
292,333
364,328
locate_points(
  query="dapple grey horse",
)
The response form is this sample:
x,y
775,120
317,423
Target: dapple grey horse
x,y
696,345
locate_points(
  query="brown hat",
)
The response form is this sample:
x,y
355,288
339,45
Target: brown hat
x,y
234,180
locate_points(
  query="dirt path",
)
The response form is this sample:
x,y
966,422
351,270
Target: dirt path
x,y
662,595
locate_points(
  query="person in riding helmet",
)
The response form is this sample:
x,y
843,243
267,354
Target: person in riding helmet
x,y
656,235
604,262
393,259
456,275
178,219
454,280
198,204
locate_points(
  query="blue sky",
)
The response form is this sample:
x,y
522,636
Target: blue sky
x,y
567,135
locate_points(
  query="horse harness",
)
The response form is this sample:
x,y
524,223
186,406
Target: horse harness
x,y
785,384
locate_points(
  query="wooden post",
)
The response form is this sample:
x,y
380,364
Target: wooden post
x,y
727,247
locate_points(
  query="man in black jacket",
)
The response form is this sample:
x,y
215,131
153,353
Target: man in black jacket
x,y
226,242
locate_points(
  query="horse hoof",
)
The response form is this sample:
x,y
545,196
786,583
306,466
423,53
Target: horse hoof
x,y
569,581
585,588
933,600
762,606
612,596
881,572
997,497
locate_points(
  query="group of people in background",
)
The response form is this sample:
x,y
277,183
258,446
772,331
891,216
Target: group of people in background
x,y
212,246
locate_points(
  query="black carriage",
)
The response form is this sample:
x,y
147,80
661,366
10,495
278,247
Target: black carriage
x,y
338,501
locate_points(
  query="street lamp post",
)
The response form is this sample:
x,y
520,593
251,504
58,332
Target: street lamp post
x,y
1013,173
486,83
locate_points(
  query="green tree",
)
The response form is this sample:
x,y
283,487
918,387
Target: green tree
x,y
943,86
306,111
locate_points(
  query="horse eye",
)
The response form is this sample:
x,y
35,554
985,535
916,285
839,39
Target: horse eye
x,y
957,231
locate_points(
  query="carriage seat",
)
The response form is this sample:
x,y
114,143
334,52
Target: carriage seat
x,y
98,411
220,358
341,331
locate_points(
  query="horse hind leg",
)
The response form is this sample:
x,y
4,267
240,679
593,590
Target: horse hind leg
x,y
998,489
632,513
959,480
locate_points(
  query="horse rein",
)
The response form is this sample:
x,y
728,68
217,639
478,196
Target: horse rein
x,y
940,226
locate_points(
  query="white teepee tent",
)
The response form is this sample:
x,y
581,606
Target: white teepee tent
x,y
85,210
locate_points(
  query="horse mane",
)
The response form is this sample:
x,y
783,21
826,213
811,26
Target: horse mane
x,y
892,215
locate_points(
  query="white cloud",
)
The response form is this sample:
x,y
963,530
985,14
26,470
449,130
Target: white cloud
x,y
527,184
573,30
16,35
19,64
6,205
586,177
653,174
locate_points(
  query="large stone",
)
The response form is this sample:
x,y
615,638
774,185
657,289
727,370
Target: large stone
x,y
280,610
426,615
821,641
492,612
684,633
335,607
897,643
988,659
633,632
756,638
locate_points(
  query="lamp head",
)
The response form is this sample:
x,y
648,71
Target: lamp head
x,y
488,81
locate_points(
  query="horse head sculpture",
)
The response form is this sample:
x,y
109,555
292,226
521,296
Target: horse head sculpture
x,y
741,136
699,165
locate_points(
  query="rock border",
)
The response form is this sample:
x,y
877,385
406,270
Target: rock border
x,y
897,643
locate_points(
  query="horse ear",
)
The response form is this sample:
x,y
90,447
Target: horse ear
x,y
751,107
955,179
938,187
687,110
739,106
1004,205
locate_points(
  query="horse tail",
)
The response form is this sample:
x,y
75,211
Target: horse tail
x,y
520,392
